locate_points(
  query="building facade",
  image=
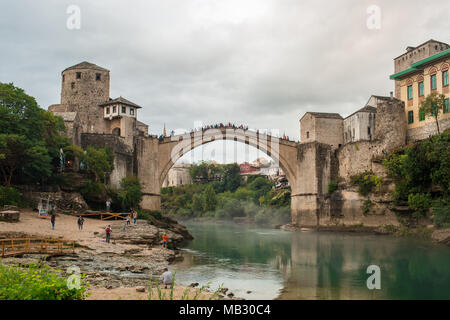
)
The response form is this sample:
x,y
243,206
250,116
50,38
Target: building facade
x,y
178,175
93,118
322,127
419,72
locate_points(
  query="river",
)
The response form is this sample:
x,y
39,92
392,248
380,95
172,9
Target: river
x,y
262,263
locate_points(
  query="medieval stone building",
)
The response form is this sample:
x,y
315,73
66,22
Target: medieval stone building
x,y
93,118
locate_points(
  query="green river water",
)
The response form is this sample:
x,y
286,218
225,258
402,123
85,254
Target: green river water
x,y
311,265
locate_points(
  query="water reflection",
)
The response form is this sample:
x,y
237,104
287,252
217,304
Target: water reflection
x,y
310,265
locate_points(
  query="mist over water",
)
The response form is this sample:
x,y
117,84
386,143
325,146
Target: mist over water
x,y
311,265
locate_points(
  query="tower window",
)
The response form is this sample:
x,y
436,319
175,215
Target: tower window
x,y
307,134
72,85
124,109
132,111
78,75
98,76
107,110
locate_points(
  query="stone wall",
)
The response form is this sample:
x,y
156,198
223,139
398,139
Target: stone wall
x,y
84,96
427,130
123,154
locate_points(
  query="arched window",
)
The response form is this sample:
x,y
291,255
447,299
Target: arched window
x,y
116,131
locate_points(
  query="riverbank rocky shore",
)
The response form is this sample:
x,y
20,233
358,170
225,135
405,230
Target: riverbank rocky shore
x,y
130,260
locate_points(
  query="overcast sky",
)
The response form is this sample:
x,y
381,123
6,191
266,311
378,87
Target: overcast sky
x,y
262,63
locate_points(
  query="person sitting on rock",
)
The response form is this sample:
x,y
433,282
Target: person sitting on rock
x,y
166,278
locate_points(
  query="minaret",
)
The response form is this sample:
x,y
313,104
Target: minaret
x,y
164,131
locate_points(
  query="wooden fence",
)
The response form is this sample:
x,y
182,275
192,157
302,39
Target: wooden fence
x,y
20,246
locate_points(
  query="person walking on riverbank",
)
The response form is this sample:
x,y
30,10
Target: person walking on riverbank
x,y
128,220
164,240
108,231
166,278
135,214
80,222
52,220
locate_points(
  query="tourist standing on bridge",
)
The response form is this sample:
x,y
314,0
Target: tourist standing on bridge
x,y
52,220
80,222
108,231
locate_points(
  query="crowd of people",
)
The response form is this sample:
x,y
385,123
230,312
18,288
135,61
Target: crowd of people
x,y
221,125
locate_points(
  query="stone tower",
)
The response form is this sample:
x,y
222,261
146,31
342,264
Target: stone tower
x,y
84,87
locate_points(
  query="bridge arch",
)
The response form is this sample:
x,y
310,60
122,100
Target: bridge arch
x,y
182,144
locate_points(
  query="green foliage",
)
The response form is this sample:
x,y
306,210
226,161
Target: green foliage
x,y
255,197
366,182
367,206
197,203
146,214
433,105
37,283
417,169
130,194
95,194
231,179
11,196
441,213
209,199
332,187
420,203
99,161
29,137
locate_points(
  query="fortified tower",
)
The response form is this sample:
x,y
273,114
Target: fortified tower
x,y
84,87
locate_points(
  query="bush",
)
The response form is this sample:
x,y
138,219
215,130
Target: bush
x,y
366,182
37,283
11,196
366,206
145,214
130,195
420,203
332,187
441,212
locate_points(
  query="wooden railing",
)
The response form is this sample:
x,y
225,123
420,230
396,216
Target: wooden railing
x,y
107,215
20,246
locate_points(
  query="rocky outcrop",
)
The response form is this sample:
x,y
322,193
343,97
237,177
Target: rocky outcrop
x,y
63,201
441,236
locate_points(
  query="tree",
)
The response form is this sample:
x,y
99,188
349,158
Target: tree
x,y
99,160
30,139
433,105
131,194
231,179
197,203
209,199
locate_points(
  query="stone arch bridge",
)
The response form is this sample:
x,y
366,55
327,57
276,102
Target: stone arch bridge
x,y
307,165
